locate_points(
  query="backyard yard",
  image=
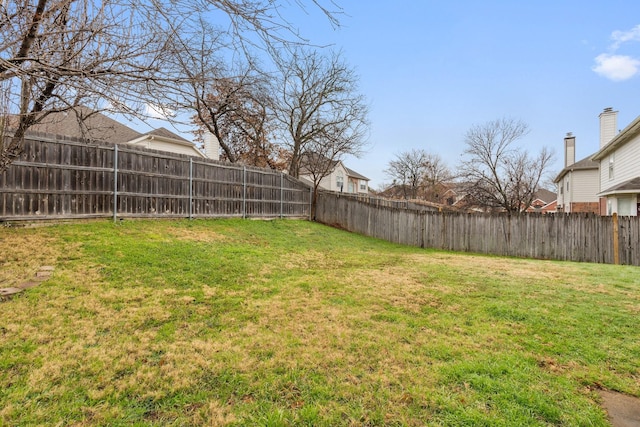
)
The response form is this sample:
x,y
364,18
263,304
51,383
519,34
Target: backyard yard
x,y
287,322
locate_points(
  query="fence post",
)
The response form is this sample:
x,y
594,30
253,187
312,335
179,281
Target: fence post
x,y
616,240
422,227
115,183
311,202
244,191
190,188
281,194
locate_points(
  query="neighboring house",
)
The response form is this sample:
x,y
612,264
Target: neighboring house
x,y
578,182
619,160
93,126
456,196
544,201
453,194
550,208
340,179
608,181
356,183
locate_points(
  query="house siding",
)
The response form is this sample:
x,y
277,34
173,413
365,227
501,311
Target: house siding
x,y
581,195
587,188
167,146
626,165
330,182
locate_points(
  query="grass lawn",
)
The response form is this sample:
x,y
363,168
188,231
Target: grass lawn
x,y
232,322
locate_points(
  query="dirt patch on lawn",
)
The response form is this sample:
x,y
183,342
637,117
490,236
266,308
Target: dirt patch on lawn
x,y
623,410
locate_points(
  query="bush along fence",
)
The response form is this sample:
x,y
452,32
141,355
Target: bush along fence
x,y
70,179
575,237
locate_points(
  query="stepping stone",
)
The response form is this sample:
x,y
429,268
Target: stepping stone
x,y
623,410
41,276
5,292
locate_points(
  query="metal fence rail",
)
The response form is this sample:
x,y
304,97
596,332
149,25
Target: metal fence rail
x,y
67,179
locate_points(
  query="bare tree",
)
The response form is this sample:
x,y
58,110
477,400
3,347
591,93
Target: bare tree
x,y
409,170
319,108
56,55
497,174
437,177
229,98
248,129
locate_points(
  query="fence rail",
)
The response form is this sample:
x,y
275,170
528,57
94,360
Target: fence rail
x,y
66,179
569,237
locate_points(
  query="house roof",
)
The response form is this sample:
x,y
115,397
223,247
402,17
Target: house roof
x,y
545,195
585,164
620,139
87,124
165,133
82,122
308,157
355,174
631,186
545,208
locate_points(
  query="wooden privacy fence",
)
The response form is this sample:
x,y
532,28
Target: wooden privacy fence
x,y
587,238
390,203
64,179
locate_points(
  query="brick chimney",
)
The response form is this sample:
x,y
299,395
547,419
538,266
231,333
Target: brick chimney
x,y
608,126
569,150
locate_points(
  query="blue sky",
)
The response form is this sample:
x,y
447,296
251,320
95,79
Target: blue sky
x,y
432,69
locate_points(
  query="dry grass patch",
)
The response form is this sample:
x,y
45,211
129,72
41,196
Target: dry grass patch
x,y
199,235
24,251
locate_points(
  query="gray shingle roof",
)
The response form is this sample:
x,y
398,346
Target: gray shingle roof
x,y
355,174
85,123
165,133
632,185
545,195
584,164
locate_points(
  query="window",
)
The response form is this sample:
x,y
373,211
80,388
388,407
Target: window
x,y
624,206
339,181
363,185
611,162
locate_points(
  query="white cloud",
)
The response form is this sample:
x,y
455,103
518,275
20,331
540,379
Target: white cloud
x,y
157,112
619,67
620,37
616,67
